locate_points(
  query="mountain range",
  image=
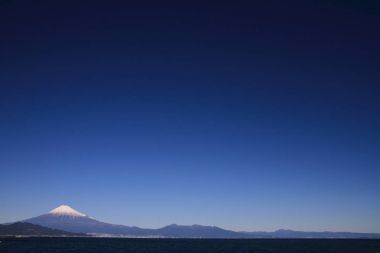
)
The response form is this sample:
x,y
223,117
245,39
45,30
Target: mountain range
x,y
65,218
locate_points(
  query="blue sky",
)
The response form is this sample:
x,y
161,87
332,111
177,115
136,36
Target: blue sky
x,y
253,117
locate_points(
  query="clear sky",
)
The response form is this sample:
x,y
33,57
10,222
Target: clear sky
x,y
245,116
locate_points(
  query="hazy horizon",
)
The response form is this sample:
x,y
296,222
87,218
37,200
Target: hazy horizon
x,y
174,223
252,116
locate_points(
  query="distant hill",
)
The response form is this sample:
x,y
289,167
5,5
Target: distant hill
x,y
67,219
196,231
23,228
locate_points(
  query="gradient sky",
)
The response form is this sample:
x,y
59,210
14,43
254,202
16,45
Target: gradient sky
x,y
245,116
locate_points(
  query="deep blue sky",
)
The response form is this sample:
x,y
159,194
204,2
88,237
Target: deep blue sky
x,y
246,116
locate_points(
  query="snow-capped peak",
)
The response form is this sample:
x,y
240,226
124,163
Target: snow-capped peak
x,y
66,210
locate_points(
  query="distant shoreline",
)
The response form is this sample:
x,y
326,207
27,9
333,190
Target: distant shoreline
x,y
2,237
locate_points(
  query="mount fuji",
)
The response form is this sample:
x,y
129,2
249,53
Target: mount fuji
x,y
68,219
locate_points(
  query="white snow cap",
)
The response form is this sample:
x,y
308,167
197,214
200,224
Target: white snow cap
x,y
66,210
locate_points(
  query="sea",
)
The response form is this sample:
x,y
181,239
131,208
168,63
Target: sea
x,y
125,245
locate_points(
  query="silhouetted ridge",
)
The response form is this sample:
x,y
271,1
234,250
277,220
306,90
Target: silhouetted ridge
x,y
24,228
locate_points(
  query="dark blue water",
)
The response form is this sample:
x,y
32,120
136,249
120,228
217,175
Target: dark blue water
x,y
115,245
